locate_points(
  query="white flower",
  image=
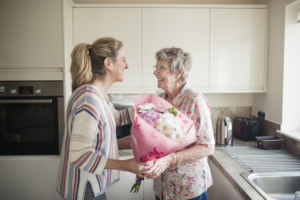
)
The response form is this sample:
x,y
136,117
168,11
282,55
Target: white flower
x,y
169,135
166,115
177,136
167,124
146,107
165,128
142,111
158,123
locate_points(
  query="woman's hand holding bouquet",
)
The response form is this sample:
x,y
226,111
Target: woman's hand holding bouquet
x,y
158,129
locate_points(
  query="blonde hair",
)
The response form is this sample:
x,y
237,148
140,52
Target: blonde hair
x,y
179,60
88,60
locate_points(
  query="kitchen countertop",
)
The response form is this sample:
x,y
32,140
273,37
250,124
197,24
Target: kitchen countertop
x,y
125,152
232,170
228,167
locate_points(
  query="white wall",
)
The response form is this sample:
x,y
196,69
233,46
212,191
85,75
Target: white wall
x,y
230,100
68,47
291,80
271,102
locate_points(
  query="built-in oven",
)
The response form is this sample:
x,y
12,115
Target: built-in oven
x,y
31,117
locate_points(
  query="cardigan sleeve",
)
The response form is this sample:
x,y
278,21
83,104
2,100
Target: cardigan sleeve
x,y
87,129
122,117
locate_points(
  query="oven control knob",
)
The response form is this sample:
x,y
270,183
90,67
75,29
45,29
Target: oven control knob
x,y
38,91
13,91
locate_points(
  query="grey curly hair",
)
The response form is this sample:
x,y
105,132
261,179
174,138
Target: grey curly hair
x,y
179,60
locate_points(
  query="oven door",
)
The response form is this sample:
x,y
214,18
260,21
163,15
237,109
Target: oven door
x,y
29,126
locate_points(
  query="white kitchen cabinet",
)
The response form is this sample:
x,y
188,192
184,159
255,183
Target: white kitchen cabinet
x,y
149,193
186,28
238,49
228,43
222,188
29,177
210,189
31,36
121,189
123,24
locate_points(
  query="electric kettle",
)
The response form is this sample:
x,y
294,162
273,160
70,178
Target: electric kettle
x,y
224,132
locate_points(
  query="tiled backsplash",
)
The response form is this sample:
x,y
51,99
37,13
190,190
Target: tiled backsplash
x,y
270,128
232,112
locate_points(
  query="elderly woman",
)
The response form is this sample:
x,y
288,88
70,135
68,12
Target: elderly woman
x,y
184,174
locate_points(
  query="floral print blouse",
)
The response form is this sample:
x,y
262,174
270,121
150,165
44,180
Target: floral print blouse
x,y
188,180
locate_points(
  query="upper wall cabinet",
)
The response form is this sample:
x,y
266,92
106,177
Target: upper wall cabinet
x,y
31,34
121,23
186,28
228,43
238,50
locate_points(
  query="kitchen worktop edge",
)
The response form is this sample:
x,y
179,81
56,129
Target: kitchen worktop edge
x,y
125,152
232,170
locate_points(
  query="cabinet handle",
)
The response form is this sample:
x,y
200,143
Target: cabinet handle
x,y
26,101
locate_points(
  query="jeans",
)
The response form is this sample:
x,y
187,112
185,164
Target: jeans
x,y
89,195
203,196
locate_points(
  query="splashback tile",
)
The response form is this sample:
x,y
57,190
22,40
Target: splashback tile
x,y
232,112
270,128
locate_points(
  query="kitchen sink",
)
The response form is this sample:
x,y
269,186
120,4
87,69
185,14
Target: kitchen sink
x,y
275,185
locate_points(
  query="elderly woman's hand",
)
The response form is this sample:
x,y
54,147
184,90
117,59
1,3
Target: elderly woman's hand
x,y
139,168
160,165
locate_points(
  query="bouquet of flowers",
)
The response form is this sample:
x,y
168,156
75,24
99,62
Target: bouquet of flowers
x,y
158,129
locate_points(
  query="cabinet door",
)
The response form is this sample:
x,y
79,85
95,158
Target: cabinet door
x,y
121,189
123,24
186,28
237,49
210,189
222,188
31,34
149,193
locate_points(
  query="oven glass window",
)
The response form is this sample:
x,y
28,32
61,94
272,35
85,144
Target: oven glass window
x,y
29,126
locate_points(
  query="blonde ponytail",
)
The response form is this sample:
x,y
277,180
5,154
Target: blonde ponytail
x,y
88,60
81,66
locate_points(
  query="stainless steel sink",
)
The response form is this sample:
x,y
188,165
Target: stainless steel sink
x,y
275,185
275,174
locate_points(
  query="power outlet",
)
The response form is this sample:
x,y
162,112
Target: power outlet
x,y
263,111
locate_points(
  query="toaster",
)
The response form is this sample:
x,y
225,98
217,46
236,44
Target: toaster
x,y
245,129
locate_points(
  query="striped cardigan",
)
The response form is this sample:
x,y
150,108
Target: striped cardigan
x,y
89,140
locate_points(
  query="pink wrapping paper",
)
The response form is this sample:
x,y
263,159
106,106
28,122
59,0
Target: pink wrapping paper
x,y
149,144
